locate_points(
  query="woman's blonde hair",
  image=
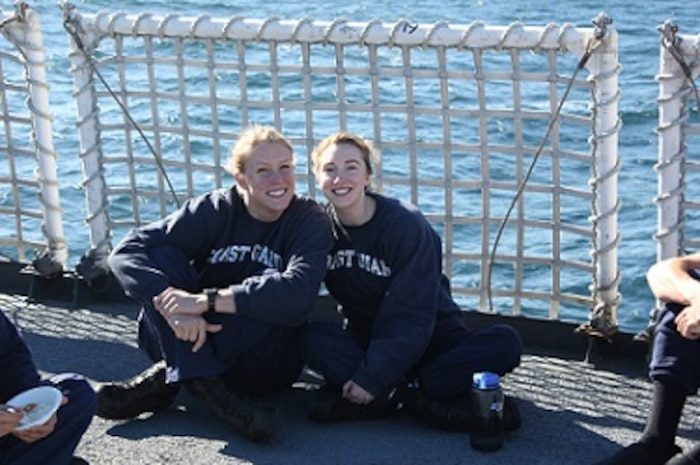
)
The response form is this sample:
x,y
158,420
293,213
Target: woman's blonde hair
x,y
249,138
366,148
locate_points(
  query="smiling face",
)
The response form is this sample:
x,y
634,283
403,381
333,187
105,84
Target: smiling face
x,y
343,176
267,180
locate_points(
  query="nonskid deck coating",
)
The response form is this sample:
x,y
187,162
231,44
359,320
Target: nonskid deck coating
x,y
574,413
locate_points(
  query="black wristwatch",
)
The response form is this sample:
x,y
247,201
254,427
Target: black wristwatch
x,y
211,293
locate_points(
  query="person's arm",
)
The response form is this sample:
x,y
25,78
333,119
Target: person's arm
x,y
283,297
16,365
173,301
286,297
670,280
18,374
406,319
192,229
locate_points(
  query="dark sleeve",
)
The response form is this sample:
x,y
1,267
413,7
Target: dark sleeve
x,y
190,229
16,365
404,324
286,297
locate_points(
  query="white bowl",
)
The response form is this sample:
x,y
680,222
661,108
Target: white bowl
x,y
46,400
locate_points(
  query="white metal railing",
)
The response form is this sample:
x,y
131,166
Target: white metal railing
x,y
460,112
431,96
678,167
678,184
30,211
678,214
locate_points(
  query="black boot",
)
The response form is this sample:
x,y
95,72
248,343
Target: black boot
x,y
657,444
252,421
329,406
145,392
450,415
443,415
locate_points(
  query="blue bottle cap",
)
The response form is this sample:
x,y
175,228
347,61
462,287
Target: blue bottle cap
x,y
485,380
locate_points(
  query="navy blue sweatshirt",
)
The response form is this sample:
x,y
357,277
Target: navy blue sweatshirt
x,y
18,370
275,269
387,277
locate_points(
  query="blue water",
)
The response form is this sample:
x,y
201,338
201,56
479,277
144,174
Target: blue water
x,y
636,23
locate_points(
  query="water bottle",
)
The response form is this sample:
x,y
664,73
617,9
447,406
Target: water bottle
x,y
487,408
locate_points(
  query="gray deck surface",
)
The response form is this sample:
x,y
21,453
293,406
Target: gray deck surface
x,y
573,413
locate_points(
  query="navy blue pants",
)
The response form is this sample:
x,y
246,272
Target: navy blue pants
x,y
445,370
252,356
674,359
73,419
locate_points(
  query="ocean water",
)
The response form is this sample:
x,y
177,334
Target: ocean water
x,y
635,22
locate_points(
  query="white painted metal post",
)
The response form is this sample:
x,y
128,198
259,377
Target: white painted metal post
x,y
38,103
671,153
604,67
90,148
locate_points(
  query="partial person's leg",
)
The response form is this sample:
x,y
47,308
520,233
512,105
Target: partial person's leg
x,y
156,337
73,419
222,349
269,364
666,410
155,388
675,371
450,363
444,377
263,359
331,351
336,355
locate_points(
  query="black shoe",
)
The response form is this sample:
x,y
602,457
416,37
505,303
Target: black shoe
x,y
451,415
329,407
79,461
454,415
252,421
146,392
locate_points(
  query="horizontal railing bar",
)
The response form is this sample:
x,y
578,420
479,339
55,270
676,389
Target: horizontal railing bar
x,y
441,34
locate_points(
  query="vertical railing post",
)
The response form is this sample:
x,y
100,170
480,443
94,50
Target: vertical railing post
x,y
670,184
32,49
671,152
604,70
82,42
